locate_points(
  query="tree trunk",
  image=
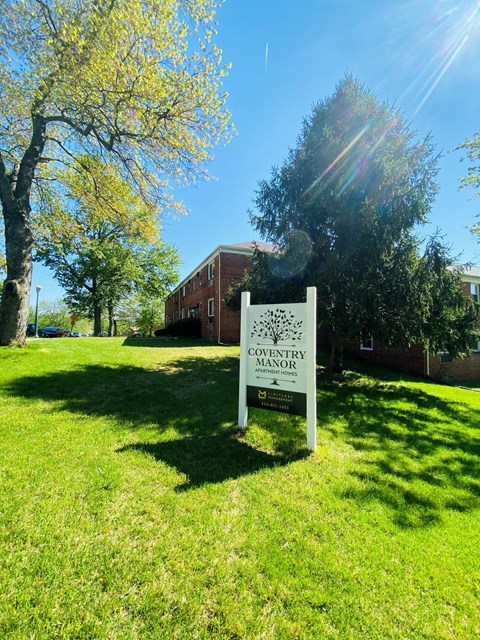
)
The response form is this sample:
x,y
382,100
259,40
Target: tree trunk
x,y
14,306
15,190
336,356
97,319
112,322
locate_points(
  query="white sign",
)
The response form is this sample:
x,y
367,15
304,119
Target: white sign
x,y
276,357
277,360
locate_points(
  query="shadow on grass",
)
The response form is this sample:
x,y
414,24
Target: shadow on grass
x,y
189,404
211,459
420,454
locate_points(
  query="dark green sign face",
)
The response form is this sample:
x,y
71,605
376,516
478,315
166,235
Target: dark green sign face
x,y
277,400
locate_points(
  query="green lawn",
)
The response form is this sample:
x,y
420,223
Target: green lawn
x,y
131,507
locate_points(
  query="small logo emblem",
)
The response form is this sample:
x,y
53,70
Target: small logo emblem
x,y
262,395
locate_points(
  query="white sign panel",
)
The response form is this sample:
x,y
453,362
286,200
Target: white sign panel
x,y
277,360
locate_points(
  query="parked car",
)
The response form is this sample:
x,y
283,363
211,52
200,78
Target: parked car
x,y
30,329
52,332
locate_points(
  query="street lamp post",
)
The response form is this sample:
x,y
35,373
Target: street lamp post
x,y
37,289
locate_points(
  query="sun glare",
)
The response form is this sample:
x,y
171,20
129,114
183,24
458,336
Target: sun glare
x,y
450,33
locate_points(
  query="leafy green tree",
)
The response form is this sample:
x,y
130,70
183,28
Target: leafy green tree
x,y
447,319
134,81
141,313
105,245
472,180
342,210
151,315
149,274
51,313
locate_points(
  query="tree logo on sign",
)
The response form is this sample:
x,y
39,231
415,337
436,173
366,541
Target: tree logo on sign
x,y
277,326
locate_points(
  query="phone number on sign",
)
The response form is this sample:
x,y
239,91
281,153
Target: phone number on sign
x,y
272,405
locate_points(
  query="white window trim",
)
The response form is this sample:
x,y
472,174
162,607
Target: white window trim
x,y
363,343
211,306
445,353
475,291
211,270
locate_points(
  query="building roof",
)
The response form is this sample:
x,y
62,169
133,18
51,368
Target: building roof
x,y
249,246
240,247
472,271
466,271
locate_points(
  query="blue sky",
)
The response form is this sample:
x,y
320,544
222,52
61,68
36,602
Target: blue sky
x,y
423,56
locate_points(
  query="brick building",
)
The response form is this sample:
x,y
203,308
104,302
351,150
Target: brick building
x,y
200,294
416,360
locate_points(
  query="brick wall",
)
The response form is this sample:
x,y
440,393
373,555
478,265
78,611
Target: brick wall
x,y
409,360
461,370
198,290
192,298
412,360
233,267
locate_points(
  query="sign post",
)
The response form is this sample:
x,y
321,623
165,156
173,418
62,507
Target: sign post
x,y
311,368
242,389
278,360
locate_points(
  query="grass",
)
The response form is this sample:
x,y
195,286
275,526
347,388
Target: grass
x,y
131,507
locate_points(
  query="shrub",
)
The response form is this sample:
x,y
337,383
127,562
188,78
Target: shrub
x,y
185,328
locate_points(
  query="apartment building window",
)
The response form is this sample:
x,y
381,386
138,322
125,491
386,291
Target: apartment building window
x,y
184,291
199,309
445,357
366,342
474,293
211,307
199,276
211,270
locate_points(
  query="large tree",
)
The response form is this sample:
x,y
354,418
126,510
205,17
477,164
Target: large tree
x,y
138,81
342,210
102,242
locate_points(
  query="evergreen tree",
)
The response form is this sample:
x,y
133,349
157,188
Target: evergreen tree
x,y
342,210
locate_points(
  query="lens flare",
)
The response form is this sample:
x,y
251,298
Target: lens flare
x,y
341,155
295,256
